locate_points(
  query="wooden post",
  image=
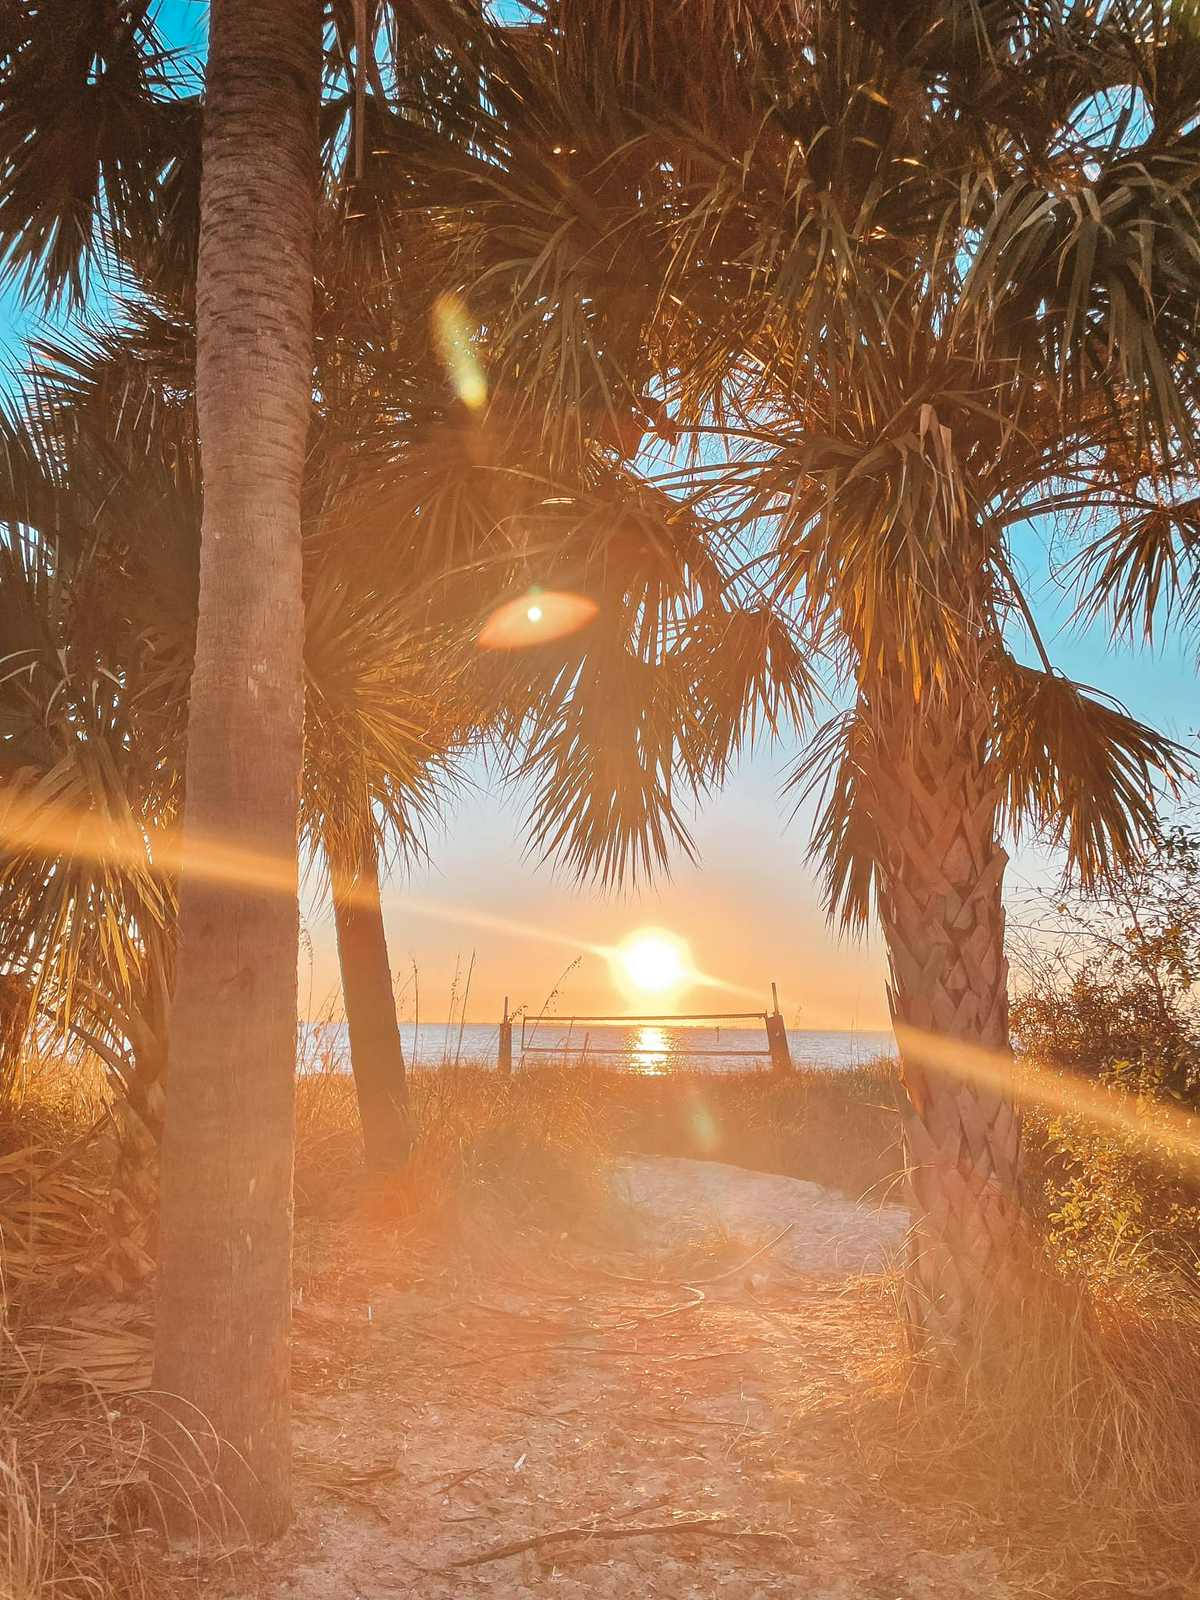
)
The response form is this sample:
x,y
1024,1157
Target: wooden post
x,y
504,1064
777,1039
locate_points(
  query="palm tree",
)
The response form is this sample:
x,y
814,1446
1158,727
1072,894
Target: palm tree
x,y
103,467
101,513
225,1216
890,293
98,149
225,1232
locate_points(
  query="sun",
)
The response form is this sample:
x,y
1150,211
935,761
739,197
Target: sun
x,y
653,961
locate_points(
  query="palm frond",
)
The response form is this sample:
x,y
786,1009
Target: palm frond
x,y
1080,769
87,128
838,772
601,748
1143,570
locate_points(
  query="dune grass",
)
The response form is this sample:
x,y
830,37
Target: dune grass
x,y
1076,1442
531,1149
1074,1450
1085,1437
839,1128
836,1127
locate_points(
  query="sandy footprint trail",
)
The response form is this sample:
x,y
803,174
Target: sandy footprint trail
x,y
570,1426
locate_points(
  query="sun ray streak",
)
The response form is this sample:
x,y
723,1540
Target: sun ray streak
x,y
1063,1093
29,823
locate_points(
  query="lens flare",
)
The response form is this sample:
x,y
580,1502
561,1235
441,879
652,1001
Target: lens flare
x,y
650,961
536,618
452,339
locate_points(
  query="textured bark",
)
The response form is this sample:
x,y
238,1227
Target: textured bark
x,y
376,1054
943,918
226,1220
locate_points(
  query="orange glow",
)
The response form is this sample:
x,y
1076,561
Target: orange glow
x,y
29,823
56,830
536,618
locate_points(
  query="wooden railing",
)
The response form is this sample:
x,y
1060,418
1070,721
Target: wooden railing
x,y
775,1049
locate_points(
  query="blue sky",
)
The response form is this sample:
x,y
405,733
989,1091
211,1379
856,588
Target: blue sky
x,y
750,908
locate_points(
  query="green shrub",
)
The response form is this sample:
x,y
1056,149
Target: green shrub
x,y
1107,1022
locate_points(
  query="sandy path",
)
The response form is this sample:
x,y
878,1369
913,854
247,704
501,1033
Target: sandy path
x,y
480,1408
679,1198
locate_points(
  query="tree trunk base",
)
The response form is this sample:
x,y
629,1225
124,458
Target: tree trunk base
x,y
967,1258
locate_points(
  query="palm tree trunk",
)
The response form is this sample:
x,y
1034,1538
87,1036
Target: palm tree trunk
x,y
376,1054
941,907
225,1230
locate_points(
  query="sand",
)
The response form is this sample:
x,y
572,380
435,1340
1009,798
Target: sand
x,y
568,1420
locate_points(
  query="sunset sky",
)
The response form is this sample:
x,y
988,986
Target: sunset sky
x,y
750,908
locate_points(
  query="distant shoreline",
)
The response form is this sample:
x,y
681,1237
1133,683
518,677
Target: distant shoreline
x,y
651,1049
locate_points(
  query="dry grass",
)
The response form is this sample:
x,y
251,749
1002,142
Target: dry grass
x,y
26,1550
1078,1441
76,1508
1081,1452
528,1147
86,1476
72,1456
836,1127
1078,1450
55,1317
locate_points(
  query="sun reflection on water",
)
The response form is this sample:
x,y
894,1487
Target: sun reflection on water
x,y
651,1049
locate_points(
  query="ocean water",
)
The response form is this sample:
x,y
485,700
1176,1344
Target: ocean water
x,y
650,1048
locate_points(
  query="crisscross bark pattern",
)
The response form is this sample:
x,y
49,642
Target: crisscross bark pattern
x,y
940,904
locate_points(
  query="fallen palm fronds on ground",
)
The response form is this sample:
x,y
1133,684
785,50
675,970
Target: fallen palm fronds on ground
x,y
106,1347
58,1321
50,1217
686,1523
